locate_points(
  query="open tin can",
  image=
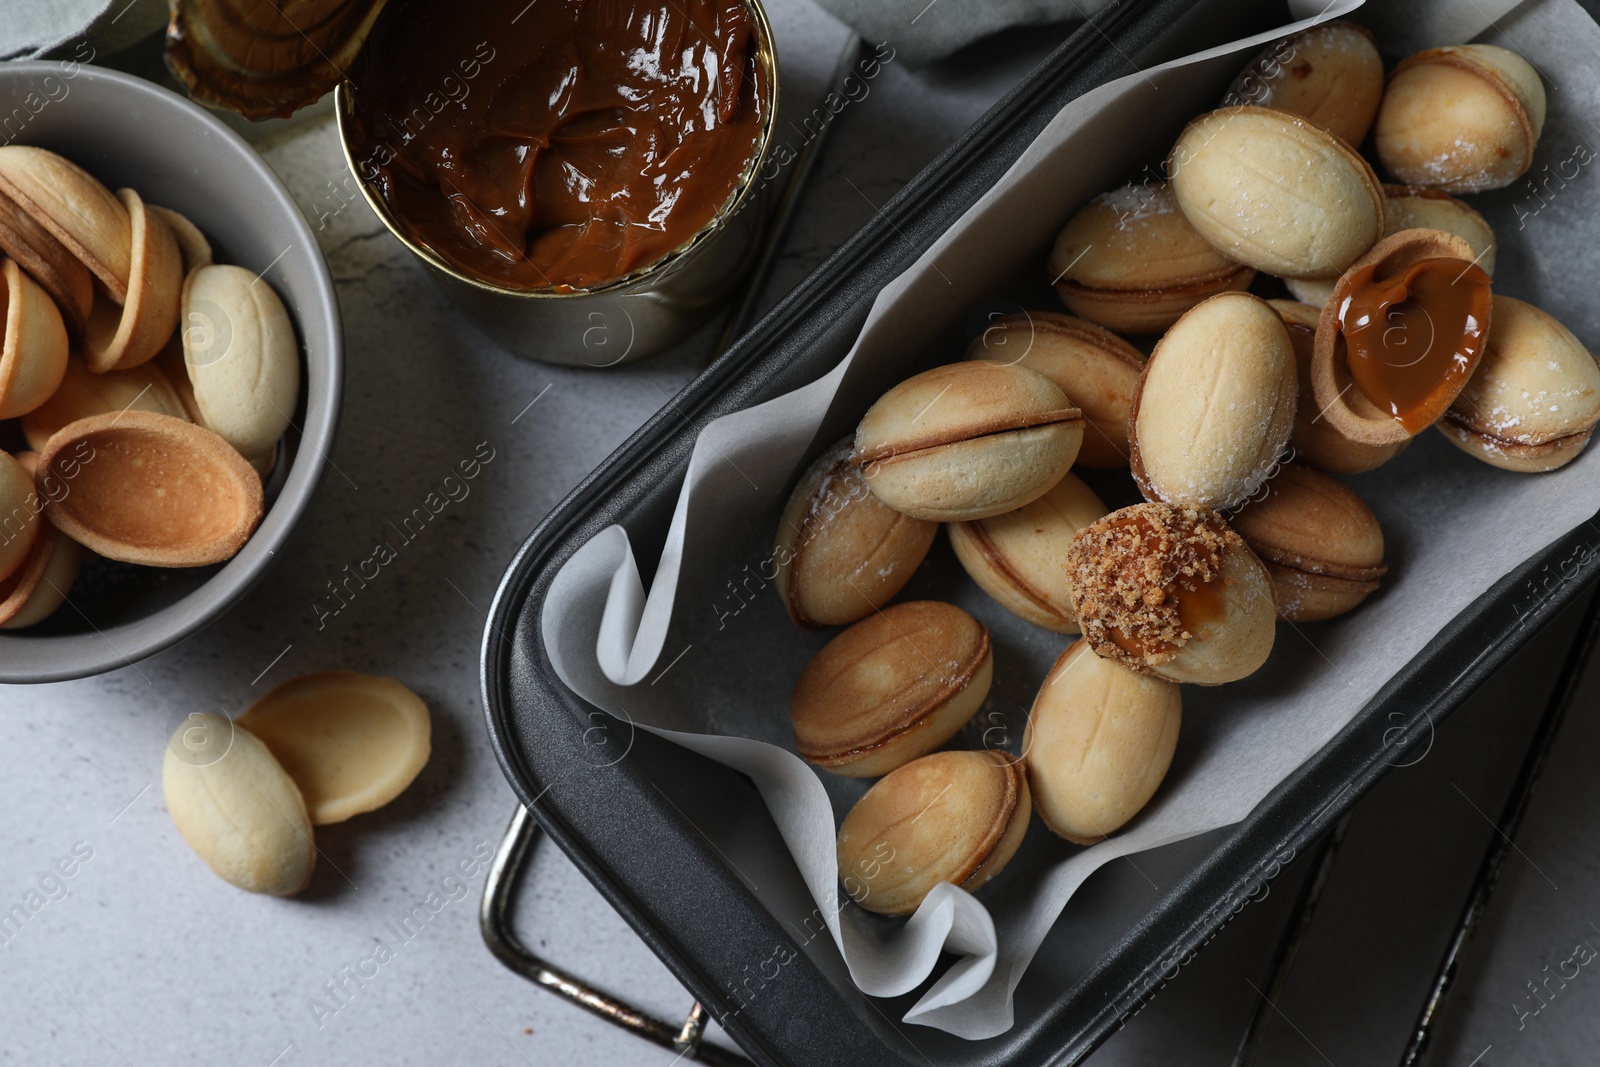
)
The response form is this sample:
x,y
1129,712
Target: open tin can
x,y
633,316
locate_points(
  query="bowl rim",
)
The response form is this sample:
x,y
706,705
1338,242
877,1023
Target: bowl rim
x,y
27,658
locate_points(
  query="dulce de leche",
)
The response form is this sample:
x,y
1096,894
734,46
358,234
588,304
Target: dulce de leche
x,y
557,144
1414,337
1194,592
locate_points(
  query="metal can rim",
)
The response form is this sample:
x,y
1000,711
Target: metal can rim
x,y
638,280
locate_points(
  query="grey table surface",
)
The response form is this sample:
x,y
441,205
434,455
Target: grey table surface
x,y
142,957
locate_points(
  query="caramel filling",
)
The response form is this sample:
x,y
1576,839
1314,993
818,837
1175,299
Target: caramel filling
x,y
557,144
1197,604
1149,578
1414,337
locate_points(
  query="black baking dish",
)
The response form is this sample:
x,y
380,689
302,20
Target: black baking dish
x,y
669,836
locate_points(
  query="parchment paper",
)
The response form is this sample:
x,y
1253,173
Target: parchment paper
x,y
708,658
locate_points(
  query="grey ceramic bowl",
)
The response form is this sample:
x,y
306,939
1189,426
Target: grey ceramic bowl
x,y
129,132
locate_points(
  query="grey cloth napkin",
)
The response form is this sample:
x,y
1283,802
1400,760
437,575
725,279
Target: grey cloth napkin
x,y
33,28
923,31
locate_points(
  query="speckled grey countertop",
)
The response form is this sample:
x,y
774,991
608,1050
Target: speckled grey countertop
x,y
140,956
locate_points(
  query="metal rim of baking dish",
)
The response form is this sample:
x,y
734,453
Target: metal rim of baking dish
x,y
675,888
179,126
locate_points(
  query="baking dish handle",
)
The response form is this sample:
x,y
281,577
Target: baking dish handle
x,y
494,920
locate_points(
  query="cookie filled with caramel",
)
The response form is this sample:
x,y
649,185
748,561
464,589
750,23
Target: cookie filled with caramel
x,y
1401,335
1172,590
558,145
